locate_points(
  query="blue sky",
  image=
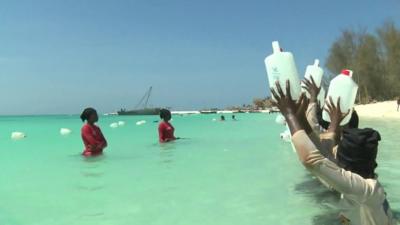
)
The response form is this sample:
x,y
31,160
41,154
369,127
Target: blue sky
x,y
61,56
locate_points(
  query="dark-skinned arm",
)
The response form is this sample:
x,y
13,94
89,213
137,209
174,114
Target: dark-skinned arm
x,y
326,141
300,107
331,138
343,181
336,116
313,90
298,128
288,107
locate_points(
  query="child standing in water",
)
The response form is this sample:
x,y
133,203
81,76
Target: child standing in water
x,y
165,129
92,136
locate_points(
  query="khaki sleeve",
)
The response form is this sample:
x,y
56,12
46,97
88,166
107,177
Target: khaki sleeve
x,y
343,181
327,145
315,138
305,148
312,119
328,136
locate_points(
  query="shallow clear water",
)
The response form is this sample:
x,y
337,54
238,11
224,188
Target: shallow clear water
x,y
233,172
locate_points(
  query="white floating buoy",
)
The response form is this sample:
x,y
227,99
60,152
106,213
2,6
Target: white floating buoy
x,y
65,131
121,123
280,120
17,135
285,136
114,125
141,122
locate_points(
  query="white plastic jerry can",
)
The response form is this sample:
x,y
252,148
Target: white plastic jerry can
x,y
281,67
315,72
342,86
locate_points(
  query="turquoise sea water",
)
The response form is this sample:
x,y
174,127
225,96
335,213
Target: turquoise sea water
x,y
225,173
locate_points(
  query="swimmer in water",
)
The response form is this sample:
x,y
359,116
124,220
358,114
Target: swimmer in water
x,y
233,117
222,118
363,197
165,128
92,136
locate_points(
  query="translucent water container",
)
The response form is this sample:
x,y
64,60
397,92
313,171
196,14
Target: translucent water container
x,y
315,72
281,67
342,86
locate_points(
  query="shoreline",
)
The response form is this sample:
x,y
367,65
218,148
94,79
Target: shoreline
x,y
385,109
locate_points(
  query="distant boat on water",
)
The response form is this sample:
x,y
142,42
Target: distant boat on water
x,y
208,111
141,108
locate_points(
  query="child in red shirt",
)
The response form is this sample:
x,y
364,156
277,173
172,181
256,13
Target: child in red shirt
x,y
165,129
92,136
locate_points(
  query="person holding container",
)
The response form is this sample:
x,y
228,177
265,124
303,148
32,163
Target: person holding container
x,y
362,196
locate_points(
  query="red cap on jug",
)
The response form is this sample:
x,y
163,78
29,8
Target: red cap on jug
x,y
346,72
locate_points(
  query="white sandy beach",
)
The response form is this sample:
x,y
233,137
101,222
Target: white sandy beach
x,y
387,109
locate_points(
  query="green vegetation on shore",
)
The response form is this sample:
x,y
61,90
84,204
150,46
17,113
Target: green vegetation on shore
x,y
373,56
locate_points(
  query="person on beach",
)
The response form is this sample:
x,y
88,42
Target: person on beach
x,y
362,196
92,137
165,128
398,104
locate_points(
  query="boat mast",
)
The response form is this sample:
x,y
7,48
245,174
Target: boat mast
x,y
146,96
